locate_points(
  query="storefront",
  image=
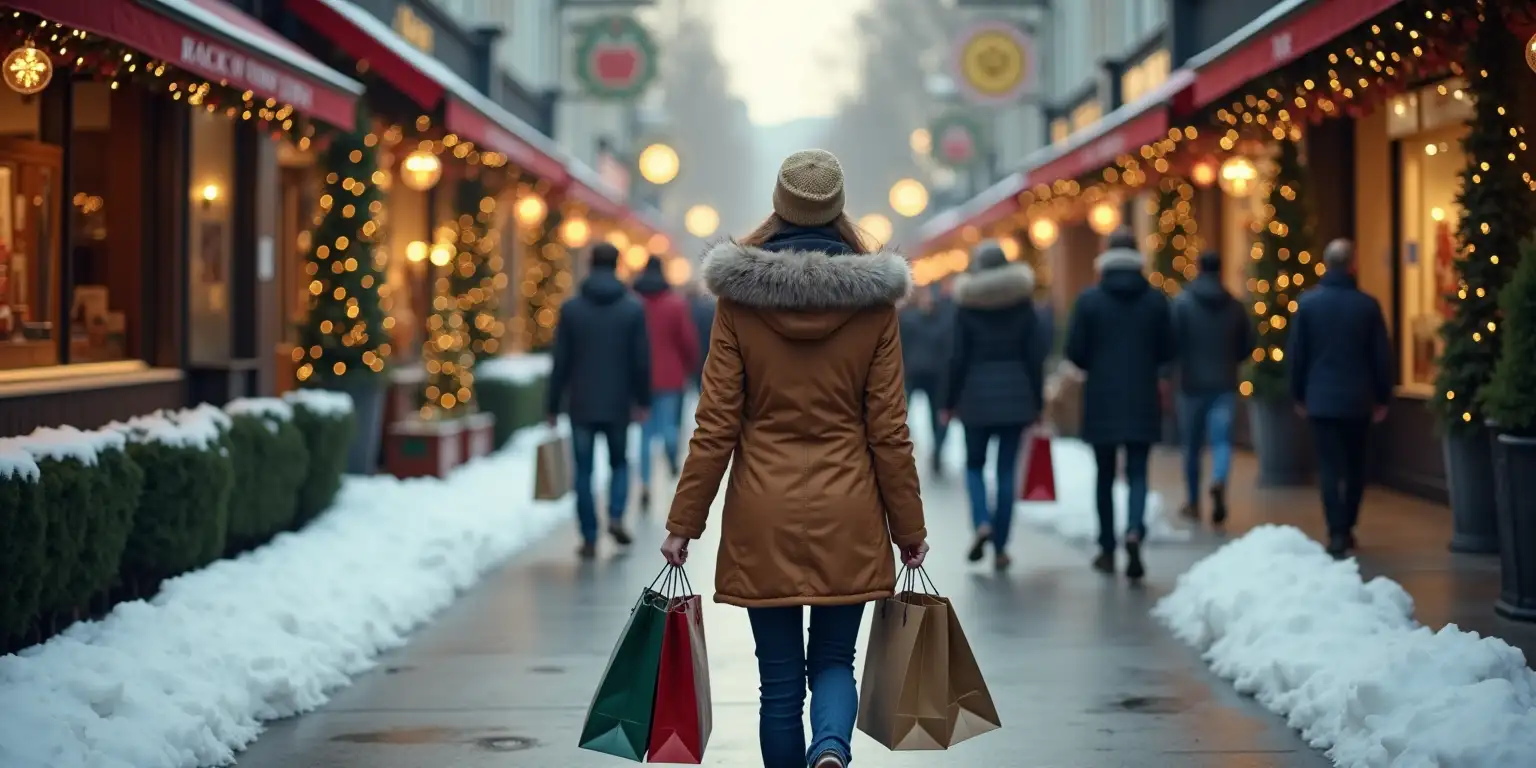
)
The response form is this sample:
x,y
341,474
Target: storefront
x,y
138,171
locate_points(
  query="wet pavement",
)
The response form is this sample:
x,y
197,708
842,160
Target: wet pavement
x,y
1082,676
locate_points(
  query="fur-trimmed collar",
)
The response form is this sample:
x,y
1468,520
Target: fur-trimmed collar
x,y
805,280
1000,286
1119,258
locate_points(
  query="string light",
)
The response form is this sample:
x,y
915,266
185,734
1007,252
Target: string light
x,y
1176,244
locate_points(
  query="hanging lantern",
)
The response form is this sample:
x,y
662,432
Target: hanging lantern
x,y
28,70
531,210
1043,232
421,170
1104,218
1203,174
575,232
1239,176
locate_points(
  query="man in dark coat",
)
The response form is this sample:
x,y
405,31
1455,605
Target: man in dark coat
x,y
1341,379
602,377
1121,337
674,358
927,331
1213,336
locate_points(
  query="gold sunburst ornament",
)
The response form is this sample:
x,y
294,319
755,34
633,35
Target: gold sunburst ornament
x,y
28,70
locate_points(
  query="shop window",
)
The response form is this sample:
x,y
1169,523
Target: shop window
x,y
30,188
103,209
210,238
1061,128
1145,76
1085,115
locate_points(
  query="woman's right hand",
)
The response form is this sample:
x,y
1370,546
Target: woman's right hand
x,y
912,557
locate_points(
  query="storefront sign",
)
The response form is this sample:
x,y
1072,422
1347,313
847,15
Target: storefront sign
x,y
994,63
956,140
413,29
615,58
213,59
1104,151
1280,47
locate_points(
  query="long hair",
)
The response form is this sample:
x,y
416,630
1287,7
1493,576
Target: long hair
x,y
847,231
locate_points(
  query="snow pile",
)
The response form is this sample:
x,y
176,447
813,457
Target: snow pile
x,y
1346,664
320,401
271,408
62,443
1074,515
16,461
187,429
515,369
187,678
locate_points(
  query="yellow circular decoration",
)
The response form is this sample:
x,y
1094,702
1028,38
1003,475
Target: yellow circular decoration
x,y
659,164
908,197
28,70
701,220
994,62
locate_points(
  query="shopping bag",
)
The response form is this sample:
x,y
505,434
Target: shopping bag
x,y
619,719
681,721
1039,474
905,688
970,711
552,469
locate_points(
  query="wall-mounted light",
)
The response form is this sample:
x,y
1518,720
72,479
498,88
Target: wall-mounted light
x,y
1239,176
421,170
209,193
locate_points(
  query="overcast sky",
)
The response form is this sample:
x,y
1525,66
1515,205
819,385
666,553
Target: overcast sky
x,y
788,59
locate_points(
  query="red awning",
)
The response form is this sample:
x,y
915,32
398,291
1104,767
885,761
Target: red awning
x,y
994,204
429,82
588,189
217,41
1120,132
1280,36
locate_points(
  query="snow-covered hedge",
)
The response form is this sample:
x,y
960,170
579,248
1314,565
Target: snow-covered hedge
x,y
1346,664
270,461
512,389
327,421
21,547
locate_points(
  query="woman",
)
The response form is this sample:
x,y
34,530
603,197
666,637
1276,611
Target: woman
x,y
802,398
996,371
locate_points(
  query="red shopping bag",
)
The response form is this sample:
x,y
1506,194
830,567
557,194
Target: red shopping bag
x,y
1039,475
680,722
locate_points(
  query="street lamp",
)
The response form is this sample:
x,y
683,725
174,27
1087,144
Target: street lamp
x,y
701,220
878,228
909,197
421,170
659,164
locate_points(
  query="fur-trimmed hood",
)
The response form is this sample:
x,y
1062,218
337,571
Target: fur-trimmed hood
x,y
805,280
1001,286
1119,259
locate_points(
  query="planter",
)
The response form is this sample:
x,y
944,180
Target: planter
x,y
1514,467
515,404
1470,482
368,396
479,435
1281,441
420,448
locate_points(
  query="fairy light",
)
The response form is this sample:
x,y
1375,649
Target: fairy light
x,y
1176,244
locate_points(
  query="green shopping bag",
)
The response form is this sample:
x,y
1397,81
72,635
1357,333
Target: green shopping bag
x,y
619,719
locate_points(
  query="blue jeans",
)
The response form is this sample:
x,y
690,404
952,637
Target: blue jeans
x,y
1107,456
999,515
583,441
1206,418
666,418
786,664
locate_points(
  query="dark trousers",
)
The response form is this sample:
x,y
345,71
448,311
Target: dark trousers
x,y
583,448
929,386
1341,470
1107,456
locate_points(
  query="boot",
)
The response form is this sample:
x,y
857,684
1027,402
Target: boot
x,y
620,536
1338,545
1218,503
1190,511
979,544
645,501
1105,562
1134,569
587,550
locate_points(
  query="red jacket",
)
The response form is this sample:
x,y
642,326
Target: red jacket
x,y
674,342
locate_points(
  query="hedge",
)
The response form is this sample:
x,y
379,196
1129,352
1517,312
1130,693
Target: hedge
x,y
327,421
117,482
23,532
270,463
512,388
184,507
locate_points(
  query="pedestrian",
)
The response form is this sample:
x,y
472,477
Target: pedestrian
x,y
803,399
996,385
926,333
702,305
1120,337
1341,380
1213,336
674,354
601,379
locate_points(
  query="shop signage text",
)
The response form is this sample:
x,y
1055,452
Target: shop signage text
x,y
217,61
1280,47
413,29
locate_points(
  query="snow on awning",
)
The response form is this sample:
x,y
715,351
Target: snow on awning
x,y
215,40
1122,131
427,81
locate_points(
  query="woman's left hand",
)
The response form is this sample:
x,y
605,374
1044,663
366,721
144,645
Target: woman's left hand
x,y
675,549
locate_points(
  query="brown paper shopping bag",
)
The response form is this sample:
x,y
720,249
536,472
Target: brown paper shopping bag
x,y
970,711
905,689
552,473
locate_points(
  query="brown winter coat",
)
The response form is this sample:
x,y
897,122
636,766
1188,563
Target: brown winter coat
x,y
802,398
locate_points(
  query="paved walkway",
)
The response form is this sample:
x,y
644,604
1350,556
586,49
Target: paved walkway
x,y
1082,676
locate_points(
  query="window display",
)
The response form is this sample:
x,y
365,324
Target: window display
x,y
29,197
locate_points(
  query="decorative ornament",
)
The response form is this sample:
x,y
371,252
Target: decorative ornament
x,y
994,63
1104,218
955,140
1239,176
1043,232
1530,53
615,58
28,70
421,170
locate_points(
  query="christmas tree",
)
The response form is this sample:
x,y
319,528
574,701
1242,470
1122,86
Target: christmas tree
x,y
549,271
477,278
1282,267
448,392
1495,216
343,338
1176,241
1510,395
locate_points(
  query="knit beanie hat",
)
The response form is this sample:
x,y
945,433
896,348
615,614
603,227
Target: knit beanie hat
x,y
809,191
